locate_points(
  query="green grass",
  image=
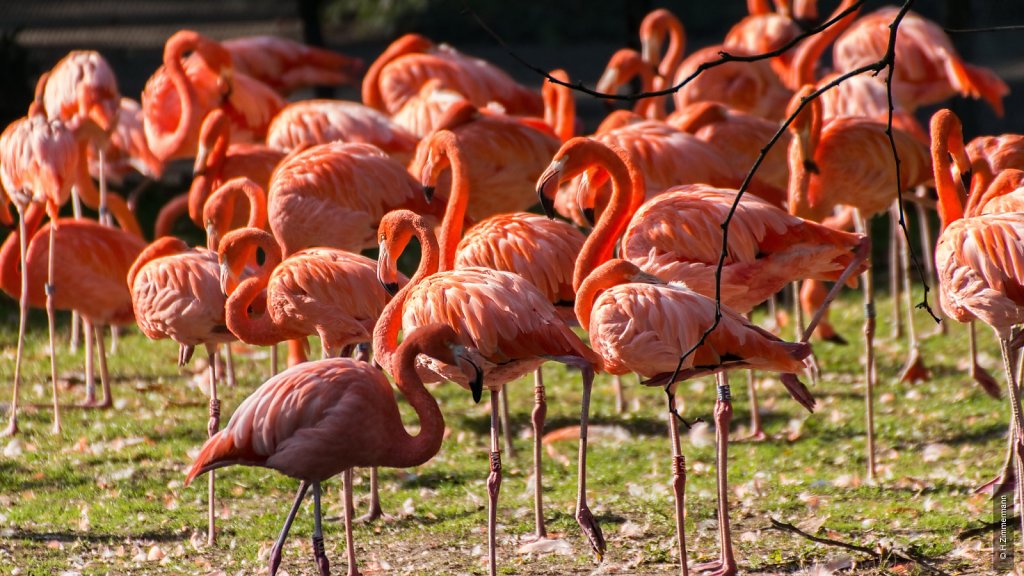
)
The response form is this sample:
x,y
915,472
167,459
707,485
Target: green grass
x,y
106,496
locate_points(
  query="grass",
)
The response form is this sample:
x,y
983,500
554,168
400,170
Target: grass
x,y
106,496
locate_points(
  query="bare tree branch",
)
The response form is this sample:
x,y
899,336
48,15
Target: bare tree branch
x,y
1013,28
723,58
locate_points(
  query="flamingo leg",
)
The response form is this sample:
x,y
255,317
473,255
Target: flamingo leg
x,y
862,253
229,366
506,425
274,562
362,354
726,564
1017,435
90,363
798,325
493,486
679,489
108,398
620,397
12,424
756,431
915,369
76,321
350,544
50,321
894,277
211,428
115,338
591,529
867,279
273,360
540,410
978,373
104,212
319,554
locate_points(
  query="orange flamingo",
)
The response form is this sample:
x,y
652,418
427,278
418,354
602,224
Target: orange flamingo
x,y
38,164
176,294
639,323
625,65
412,60
218,160
508,154
848,161
90,264
286,65
305,123
320,419
508,325
541,250
975,258
990,156
764,30
335,195
128,150
181,93
928,68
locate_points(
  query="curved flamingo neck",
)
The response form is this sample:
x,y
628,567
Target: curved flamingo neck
x,y
758,7
161,247
559,106
385,333
219,209
415,450
174,50
947,137
626,196
458,199
234,254
169,215
10,252
213,146
806,130
655,27
806,56
408,44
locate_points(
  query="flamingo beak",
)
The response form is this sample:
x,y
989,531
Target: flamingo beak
x,y
428,193
476,384
384,265
546,184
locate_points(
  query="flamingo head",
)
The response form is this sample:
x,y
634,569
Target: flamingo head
x,y
394,234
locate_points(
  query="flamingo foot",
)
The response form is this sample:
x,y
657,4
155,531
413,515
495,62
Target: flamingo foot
x,y
716,568
373,515
756,435
915,370
1004,483
94,404
592,530
321,556
12,428
274,562
986,381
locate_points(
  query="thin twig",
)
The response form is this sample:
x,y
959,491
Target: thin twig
x,y
907,557
723,58
987,527
1013,28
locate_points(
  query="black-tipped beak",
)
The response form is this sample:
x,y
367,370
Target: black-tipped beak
x,y
390,287
589,216
965,179
811,166
476,385
549,206
428,193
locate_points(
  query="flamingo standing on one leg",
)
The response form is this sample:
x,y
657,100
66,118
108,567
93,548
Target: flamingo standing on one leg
x,y
541,250
38,164
512,329
320,419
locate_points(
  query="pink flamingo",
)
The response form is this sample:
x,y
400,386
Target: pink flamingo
x,y
510,329
975,258
307,122
320,419
335,195
541,250
128,150
286,65
38,164
180,94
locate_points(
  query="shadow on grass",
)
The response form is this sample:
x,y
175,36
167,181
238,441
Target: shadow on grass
x,y
93,537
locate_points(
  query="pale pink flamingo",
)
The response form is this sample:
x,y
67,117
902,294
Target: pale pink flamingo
x,y
335,195
409,62
90,264
975,257
510,329
928,68
128,151
176,294
320,419
182,92
286,65
849,161
38,164
541,250
307,122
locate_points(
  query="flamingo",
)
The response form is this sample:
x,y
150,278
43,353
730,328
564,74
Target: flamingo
x,y
990,156
541,250
975,257
508,153
38,163
307,122
218,160
413,60
639,323
320,419
90,262
849,161
128,150
677,235
335,194
928,68
286,65
510,329
179,95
